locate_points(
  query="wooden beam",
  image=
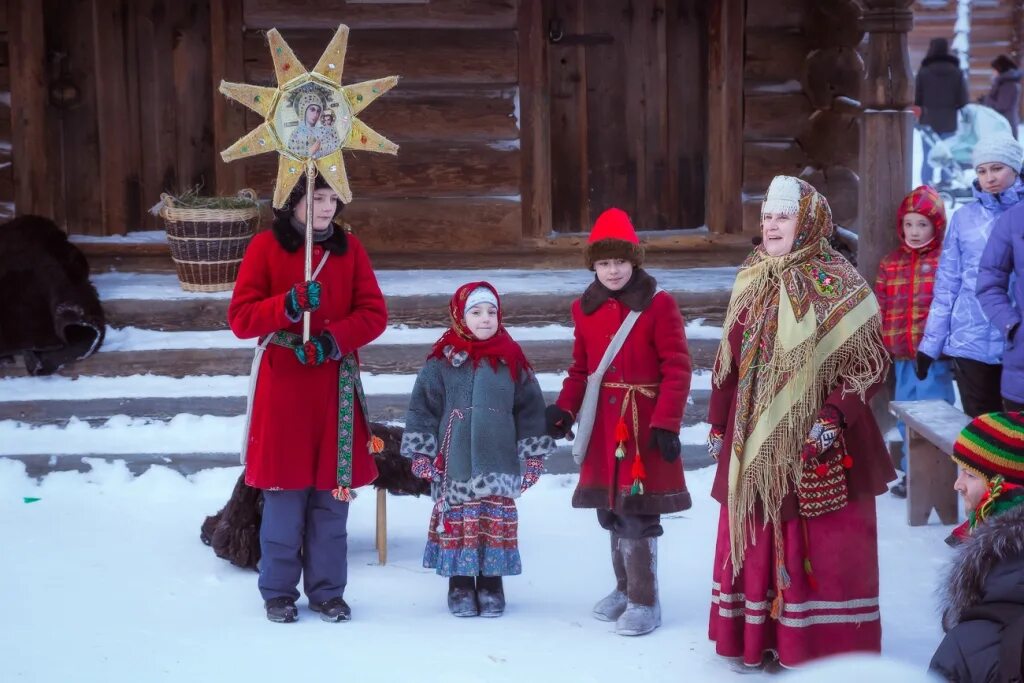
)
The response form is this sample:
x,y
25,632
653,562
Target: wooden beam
x,y
534,120
29,93
725,116
227,58
432,14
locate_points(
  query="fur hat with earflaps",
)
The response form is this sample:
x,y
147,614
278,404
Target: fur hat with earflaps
x,y
613,236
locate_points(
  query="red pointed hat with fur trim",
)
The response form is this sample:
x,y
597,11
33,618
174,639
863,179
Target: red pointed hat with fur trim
x,y
613,236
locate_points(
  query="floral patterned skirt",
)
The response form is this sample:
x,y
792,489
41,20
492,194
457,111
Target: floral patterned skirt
x,y
478,537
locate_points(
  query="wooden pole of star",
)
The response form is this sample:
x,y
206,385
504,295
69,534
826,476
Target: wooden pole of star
x,y
307,265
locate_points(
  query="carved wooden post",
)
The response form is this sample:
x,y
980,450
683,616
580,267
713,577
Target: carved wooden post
x,y
29,125
887,126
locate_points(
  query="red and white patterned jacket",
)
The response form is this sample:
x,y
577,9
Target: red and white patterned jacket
x,y
906,277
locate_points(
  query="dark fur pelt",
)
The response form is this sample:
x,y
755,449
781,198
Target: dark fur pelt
x,y
50,312
234,532
993,541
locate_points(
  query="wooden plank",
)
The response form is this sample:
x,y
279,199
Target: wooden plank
x,y
416,55
535,119
570,209
773,115
227,63
936,421
687,110
113,111
452,113
421,169
778,14
647,114
930,478
433,14
725,115
193,96
774,56
419,225
611,168
420,311
762,161
30,128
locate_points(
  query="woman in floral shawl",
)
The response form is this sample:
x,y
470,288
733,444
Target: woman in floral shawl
x,y
800,457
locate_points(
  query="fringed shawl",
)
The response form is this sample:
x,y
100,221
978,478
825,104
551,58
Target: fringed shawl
x,y
795,350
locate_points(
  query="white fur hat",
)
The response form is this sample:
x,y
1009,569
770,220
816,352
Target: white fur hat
x,y
783,196
1000,148
480,295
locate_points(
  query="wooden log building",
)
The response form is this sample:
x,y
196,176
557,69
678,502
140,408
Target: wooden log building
x,y
518,120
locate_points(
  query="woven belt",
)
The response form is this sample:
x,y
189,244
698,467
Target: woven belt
x,y
622,431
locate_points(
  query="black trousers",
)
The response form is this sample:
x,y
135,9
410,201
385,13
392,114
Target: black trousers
x,y
979,386
1013,406
630,526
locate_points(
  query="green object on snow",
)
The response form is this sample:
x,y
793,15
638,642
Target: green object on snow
x,y
27,499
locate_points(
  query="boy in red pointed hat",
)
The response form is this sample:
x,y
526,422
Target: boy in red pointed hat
x,y
627,387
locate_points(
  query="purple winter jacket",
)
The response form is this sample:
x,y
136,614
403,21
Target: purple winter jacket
x,y
1000,292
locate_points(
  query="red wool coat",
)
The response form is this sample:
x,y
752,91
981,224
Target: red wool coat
x,y
872,469
655,352
293,437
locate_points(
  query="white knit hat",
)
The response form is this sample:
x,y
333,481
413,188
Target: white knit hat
x,y
1000,148
783,196
480,295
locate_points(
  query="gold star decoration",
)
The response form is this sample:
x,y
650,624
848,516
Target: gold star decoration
x,y
310,117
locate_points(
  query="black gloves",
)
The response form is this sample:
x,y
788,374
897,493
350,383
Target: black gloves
x,y
667,443
559,422
924,361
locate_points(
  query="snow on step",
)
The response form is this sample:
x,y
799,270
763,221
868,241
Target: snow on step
x,y
123,435
398,283
139,339
157,386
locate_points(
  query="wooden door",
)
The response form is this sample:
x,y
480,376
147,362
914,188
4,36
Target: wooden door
x,y
628,83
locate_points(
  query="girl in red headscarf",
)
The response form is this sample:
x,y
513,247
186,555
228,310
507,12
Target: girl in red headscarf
x,y
475,420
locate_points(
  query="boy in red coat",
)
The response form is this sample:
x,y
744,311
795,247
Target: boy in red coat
x,y
903,286
307,443
631,469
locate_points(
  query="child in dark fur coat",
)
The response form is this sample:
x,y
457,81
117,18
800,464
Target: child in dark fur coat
x,y
475,416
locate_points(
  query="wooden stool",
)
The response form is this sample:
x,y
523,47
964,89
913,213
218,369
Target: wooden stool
x,y
932,428
381,536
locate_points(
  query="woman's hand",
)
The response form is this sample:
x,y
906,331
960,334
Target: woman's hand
x,y
824,432
716,437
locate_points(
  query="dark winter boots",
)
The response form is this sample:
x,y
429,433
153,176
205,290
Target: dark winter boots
x,y
613,605
281,610
462,597
490,595
333,610
643,610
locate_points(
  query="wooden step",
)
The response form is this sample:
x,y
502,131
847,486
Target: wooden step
x,y
545,356
695,456
382,408
414,311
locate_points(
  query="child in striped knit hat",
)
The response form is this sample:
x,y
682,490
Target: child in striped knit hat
x,y
983,613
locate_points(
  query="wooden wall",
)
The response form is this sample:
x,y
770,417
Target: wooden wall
x,y
456,178
6,165
802,76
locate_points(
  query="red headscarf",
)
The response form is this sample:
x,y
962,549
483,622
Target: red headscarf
x,y
500,347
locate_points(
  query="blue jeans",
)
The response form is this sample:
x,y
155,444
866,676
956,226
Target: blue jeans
x,y
937,385
303,533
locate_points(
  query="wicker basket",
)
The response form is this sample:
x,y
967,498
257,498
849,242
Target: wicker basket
x,y
207,245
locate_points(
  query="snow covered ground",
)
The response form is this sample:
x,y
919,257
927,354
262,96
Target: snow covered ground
x,y
107,581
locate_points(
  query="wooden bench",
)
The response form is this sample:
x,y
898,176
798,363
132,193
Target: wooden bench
x,y
932,428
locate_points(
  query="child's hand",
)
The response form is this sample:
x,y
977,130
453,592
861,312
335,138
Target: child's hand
x,y
317,350
302,297
534,468
922,364
424,469
667,443
559,422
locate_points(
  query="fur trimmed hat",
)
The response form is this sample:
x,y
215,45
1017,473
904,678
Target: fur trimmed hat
x,y
991,445
613,236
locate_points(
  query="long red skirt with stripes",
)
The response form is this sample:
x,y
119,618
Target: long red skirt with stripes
x,y
834,611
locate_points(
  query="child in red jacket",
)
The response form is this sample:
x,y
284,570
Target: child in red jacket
x,y
631,469
906,278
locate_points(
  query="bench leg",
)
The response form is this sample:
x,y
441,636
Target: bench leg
x,y
381,537
929,483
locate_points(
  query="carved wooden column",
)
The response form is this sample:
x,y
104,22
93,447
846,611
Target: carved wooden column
x,y
887,125
29,117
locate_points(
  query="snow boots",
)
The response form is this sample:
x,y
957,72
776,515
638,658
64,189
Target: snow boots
x,y
281,610
462,597
613,605
333,610
490,595
643,610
